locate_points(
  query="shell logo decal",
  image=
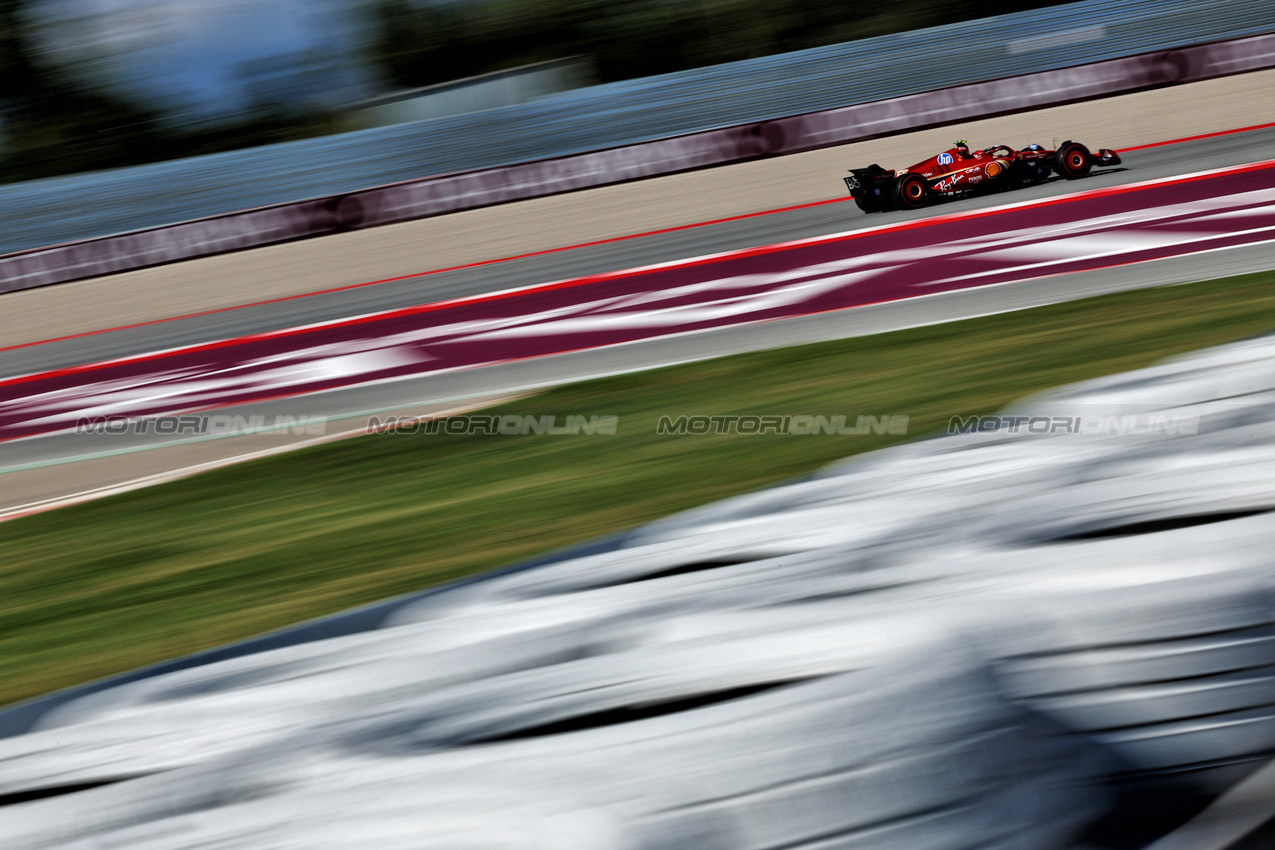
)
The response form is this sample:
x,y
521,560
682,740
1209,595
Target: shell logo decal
x,y
994,168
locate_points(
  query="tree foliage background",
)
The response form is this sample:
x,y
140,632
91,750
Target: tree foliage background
x,y
416,42
54,121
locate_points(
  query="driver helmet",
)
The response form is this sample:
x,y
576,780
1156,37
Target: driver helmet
x,y
963,146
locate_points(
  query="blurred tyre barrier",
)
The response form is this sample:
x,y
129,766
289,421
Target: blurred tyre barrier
x,y
454,192
1171,667
913,749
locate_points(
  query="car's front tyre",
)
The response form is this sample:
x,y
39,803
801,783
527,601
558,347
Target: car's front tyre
x,y
1073,161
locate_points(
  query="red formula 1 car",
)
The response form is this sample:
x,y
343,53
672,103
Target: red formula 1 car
x,y
959,172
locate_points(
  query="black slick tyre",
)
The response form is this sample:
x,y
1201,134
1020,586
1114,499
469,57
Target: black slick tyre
x,y
1073,161
909,192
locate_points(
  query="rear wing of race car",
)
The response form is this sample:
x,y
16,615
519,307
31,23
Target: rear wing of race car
x,y
870,187
870,178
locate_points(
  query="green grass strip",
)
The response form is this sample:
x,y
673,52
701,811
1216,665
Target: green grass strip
x,y
107,586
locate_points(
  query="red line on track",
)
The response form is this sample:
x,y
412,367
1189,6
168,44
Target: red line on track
x,y
1201,136
477,264
543,252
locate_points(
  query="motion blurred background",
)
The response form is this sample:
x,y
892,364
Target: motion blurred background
x,y
93,84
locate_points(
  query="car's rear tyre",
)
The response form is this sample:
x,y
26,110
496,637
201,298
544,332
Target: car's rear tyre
x,y
1073,161
910,192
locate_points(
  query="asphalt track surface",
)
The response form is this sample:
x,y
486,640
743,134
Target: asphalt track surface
x,y
1140,165
457,388
1216,211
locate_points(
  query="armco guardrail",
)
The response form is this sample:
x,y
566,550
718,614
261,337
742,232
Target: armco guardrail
x,y
451,193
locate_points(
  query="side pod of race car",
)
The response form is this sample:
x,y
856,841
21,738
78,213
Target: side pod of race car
x,y
959,172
